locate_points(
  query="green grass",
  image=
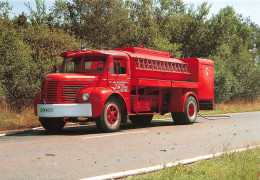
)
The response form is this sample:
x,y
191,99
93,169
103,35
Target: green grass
x,y
243,165
157,116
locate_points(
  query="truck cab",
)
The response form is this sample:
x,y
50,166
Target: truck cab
x,y
87,80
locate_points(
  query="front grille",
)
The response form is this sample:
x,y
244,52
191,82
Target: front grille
x,y
51,92
69,92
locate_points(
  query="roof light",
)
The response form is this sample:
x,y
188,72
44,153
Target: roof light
x,y
83,47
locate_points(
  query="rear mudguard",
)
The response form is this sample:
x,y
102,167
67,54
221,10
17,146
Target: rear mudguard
x,y
178,99
185,96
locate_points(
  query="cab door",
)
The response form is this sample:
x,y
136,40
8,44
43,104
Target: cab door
x,y
119,77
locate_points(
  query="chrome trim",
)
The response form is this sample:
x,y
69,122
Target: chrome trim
x,y
64,110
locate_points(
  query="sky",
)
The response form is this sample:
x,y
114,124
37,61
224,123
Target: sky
x,y
248,8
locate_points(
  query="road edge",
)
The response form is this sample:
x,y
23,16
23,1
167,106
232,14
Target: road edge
x,y
25,130
19,131
162,166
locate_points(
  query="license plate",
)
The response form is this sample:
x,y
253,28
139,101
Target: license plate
x,y
46,109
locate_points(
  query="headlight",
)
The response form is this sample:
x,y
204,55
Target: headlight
x,y
85,96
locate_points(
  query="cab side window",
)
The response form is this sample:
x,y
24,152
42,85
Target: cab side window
x,y
117,66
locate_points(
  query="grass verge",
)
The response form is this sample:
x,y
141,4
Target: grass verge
x,y
243,165
11,120
235,107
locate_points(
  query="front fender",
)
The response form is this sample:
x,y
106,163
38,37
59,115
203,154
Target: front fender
x,y
97,97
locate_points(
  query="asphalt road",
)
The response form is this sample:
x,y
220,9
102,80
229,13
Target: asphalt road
x,y
81,152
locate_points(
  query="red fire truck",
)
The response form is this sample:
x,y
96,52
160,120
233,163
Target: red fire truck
x,y
107,85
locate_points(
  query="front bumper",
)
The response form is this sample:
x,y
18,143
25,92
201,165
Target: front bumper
x,y
64,110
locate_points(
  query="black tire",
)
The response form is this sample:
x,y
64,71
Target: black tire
x,y
189,115
124,118
52,124
141,120
177,118
110,122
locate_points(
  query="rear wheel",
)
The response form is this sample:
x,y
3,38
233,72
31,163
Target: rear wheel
x,y
110,119
142,120
52,124
190,112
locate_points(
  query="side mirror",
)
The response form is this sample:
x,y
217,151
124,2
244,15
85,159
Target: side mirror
x,y
55,68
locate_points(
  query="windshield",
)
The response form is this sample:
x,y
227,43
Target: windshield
x,y
93,63
71,64
96,63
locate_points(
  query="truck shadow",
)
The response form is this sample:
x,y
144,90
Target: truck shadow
x,y
90,129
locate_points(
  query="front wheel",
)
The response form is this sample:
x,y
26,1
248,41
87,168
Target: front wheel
x,y
110,119
189,115
52,124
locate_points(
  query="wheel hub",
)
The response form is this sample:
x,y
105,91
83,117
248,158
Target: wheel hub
x,y
112,114
191,109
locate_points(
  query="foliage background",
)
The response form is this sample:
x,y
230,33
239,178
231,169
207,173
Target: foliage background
x,y
30,44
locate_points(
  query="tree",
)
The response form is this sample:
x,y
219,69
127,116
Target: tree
x,y
146,27
21,20
14,65
27,54
5,9
237,73
39,16
46,46
102,23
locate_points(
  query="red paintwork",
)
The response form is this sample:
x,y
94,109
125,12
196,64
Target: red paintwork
x,y
141,106
191,109
202,71
72,77
112,114
154,82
